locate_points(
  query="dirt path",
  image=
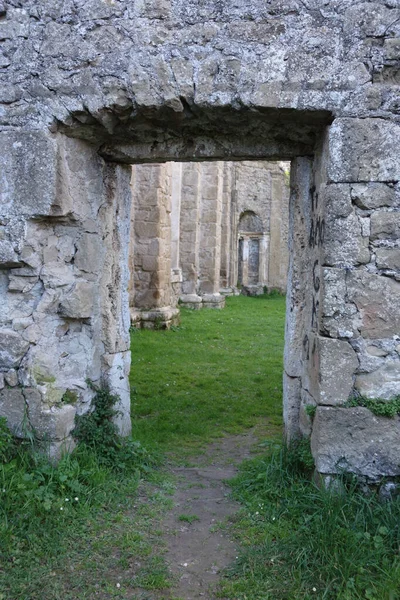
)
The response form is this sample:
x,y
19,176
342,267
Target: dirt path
x,y
197,549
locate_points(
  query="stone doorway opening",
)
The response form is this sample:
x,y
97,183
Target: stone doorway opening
x,y
65,275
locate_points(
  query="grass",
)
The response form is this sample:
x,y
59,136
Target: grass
x,y
300,542
219,372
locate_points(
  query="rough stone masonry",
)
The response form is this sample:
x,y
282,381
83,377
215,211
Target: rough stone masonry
x,y
90,86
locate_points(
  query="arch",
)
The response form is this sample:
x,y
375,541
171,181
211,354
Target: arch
x,y
250,222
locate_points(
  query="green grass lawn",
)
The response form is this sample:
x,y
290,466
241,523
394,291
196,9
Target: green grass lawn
x,y
219,372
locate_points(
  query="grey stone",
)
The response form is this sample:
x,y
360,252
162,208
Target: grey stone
x,y
338,363
378,300
385,225
88,255
12,348
1,381
11,377
13,408
384,382
373,195
78,302
355,440
364,150
54,423
388,258
28,167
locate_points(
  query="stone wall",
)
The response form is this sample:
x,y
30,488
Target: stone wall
x,y
133,82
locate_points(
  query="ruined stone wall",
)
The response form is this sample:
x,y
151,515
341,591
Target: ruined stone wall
x,y
312,82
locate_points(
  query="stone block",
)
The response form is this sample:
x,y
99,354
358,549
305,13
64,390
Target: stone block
x,y
377,299
55,423
388,258
374,195
192,301
291,406
357,441
338,362
363,150
384,382
385,225
12,348
213,301
13,408
11,377
28,164
116,368
57,274
392,48
78,302
89,252
344,243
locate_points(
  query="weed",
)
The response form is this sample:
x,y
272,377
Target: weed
x,y
98,432
310,410
308,542
188,518
378,406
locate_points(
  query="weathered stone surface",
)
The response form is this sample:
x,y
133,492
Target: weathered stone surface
x,y
28,173
374,195
12,348
378,300
55,423
385,225
78,302
384,382
338,363
88,255
345,244
388,258
364,150
13,408
11,378
355,440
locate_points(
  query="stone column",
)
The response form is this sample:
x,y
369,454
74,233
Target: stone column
x,y
64,304
264,254
152,246
278,244
190,234
210,234
176,193
226,233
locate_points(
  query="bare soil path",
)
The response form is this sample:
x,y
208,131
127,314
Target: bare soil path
x,y
197,548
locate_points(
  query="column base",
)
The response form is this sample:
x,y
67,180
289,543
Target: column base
x,y
156,318
229,291
253,290
192,301
213,301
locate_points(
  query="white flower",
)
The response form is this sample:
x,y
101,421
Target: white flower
x,y
118,585
273,518
76,499
314,589
66,499
61,508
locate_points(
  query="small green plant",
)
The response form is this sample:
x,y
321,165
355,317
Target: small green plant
x,y
98,432
378,406
310,410
188,518
69,397
7,443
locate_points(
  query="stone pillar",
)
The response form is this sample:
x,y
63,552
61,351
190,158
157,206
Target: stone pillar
x,y
176,193
64,304
151,199
210,234
226,233
190,234
264,262
278,254
357,349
